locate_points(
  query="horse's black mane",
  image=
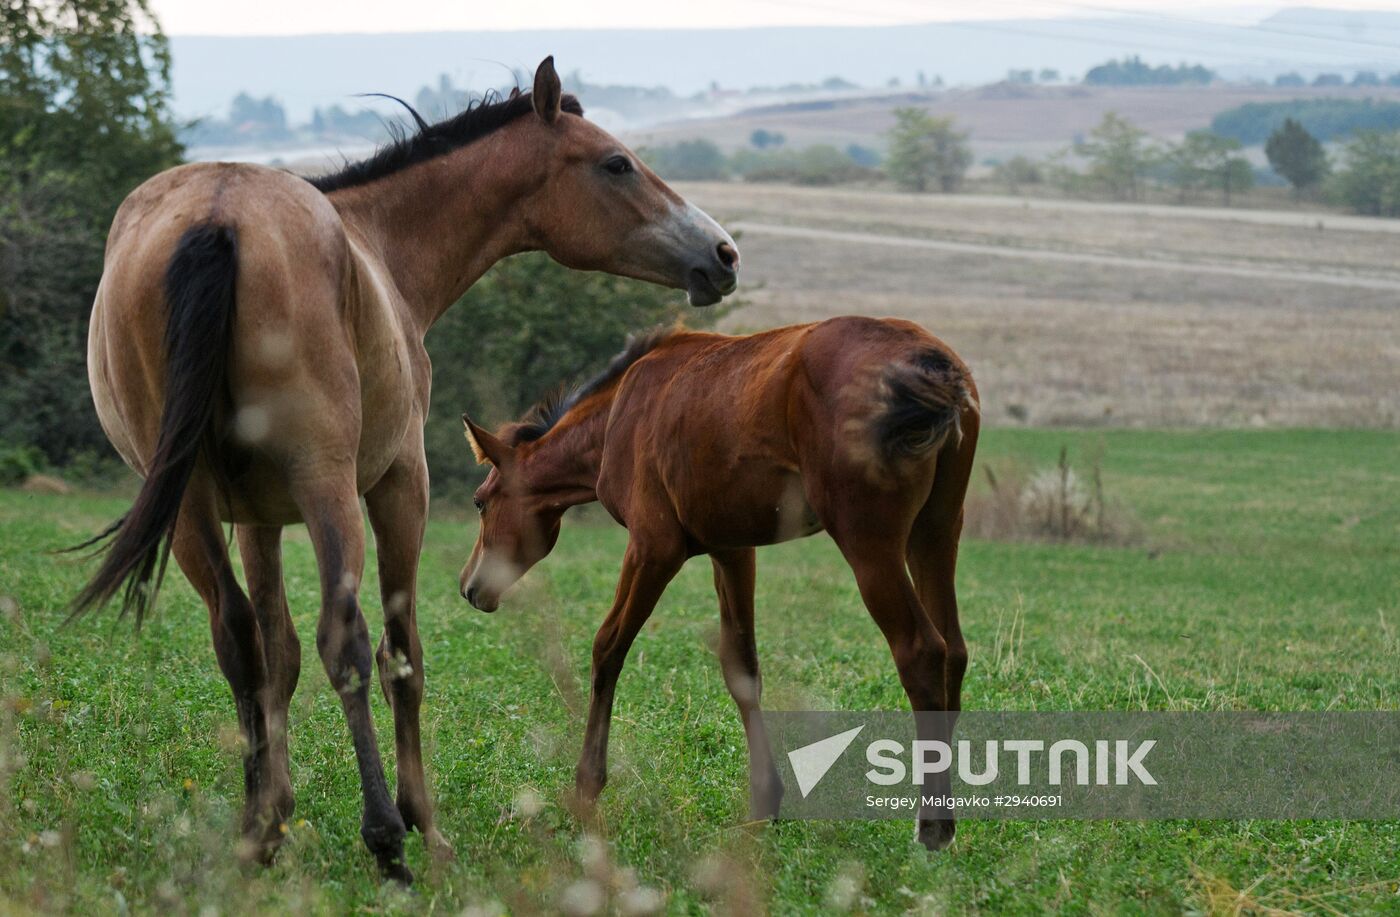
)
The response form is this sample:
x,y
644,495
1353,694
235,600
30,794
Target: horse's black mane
x,y
541,418
432,140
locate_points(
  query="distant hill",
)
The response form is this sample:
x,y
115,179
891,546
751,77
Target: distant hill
x,y
309,70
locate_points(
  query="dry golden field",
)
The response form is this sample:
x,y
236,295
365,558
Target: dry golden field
x,y
1094,314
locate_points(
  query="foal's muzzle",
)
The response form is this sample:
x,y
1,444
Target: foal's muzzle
x,y
473,594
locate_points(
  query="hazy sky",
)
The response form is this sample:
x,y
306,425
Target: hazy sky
x,y
290,17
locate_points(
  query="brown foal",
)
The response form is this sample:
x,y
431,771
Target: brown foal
x,y
256,353
708,444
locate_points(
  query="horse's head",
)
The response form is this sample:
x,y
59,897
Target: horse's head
x,y
600,208
519,524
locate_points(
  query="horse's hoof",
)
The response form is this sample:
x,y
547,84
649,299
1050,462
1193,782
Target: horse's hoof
x,y
440,847
937,834
396,872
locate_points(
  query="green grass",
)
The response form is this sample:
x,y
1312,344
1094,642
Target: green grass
x,y
1267,580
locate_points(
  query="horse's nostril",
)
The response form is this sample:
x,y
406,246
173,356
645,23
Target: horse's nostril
x,y
469,594
728,255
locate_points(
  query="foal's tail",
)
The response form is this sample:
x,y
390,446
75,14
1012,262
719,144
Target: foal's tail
x,y
923,401
199,291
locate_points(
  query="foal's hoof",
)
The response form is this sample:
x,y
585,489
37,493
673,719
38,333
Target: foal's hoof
x,y
937,834
439,847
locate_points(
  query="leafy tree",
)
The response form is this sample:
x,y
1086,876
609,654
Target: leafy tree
x,y
1329,79
1296,155
1120,154
1366,78
1370,181
1290,80
525,329
84,118
924,149
1208,160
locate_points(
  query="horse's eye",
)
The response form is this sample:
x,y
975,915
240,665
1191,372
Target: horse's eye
x,y
479,503
617,165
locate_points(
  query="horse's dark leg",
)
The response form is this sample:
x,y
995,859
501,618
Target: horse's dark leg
x,y
645,575
734,583
332,514
261,549
202,553
398,510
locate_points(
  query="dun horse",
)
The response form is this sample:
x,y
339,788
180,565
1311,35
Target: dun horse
x,y
256,353
707,444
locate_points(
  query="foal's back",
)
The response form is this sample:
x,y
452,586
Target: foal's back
x,y
745,441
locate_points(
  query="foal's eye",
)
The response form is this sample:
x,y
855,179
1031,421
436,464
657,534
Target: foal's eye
x,y
617,165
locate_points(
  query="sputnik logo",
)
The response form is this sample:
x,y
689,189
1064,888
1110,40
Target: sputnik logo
x,y
811,762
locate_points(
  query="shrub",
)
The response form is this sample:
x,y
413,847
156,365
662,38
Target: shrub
x,y
1055,504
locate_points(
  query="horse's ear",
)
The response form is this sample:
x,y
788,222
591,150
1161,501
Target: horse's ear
x,y
548,94
487,448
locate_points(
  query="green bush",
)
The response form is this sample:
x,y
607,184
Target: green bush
x,y
17,463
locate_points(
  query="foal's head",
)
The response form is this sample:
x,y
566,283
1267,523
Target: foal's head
x,y
519,521
601,209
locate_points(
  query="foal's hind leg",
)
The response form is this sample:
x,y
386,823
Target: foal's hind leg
x,y
933,553
202,553
870,528
734,582
332,514
261,549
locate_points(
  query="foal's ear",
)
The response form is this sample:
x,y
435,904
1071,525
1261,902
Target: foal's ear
x,y
548,94
487,448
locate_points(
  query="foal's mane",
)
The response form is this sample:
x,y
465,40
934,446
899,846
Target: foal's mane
x,y
479,118
546,414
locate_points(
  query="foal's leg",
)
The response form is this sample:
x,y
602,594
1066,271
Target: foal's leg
x,y
645,575
734,581
332,514
202,553
866,534
261,549
398,510
933,554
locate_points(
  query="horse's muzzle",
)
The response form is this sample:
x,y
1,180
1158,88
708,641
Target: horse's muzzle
x,y
711,282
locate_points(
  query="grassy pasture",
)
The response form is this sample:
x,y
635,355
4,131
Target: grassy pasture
x,y
1266,580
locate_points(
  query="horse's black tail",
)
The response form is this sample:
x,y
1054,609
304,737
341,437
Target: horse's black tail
x,y
924,398
199,291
